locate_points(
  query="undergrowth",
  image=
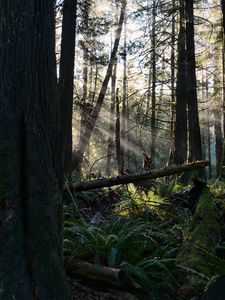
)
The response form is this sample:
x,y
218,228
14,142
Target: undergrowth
x,y
140,232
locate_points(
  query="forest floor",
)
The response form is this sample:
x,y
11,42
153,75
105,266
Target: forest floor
x,y
159,222
82,291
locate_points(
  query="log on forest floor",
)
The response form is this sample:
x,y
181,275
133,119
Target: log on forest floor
x,y
137,177
104,277
203,236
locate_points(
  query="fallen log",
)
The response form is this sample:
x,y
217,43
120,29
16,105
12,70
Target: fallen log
x,y
137,177
103,276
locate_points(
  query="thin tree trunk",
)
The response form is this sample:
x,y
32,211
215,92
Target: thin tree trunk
x,y
118,134
85,107
124,101
180,154
111,125
195,148
208,132
153,62
66,76
30,154
173,91
219,139
112,112
85,139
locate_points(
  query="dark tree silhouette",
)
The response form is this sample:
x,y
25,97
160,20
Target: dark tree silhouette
x,y
180,154
195,148
66,79
30,155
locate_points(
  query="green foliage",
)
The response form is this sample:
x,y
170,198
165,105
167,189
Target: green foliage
x,y
166,186
117,240
154,275
214,265
218,188
144,248
144,236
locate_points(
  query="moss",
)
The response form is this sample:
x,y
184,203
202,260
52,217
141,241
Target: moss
x,y
204,233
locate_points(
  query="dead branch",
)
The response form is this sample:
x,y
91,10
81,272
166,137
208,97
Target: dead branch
x,y
137,177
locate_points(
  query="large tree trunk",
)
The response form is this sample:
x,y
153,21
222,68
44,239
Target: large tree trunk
x,y
195,148
223,14
180,154
66,75
30,154
89,126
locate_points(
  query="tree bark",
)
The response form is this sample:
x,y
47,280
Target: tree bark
x,y
112,113
223,57
133,178
153,62
173,91
195,148
66,76
124,101
30,155
85,138
118,134
111,125
180,154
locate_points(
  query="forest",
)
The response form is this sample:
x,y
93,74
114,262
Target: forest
x,y
112,150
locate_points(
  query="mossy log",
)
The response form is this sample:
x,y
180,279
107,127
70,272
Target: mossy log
x,y
138,177
203,236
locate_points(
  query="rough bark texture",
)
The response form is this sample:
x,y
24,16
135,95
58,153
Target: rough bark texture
x,y
133,178
30,174
195,148
85,138
180,154
223,14
66,79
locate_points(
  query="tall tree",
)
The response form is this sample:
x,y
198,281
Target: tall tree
x,y
223,24
173,91
195,147
180,153
153,63
66,76
89,126
30,154
112,113
118,134
124,99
